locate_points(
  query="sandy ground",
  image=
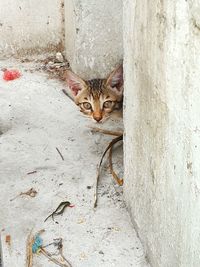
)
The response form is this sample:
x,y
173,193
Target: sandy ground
x,y
35,118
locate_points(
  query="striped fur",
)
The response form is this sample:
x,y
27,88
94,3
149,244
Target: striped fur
x,y
97,98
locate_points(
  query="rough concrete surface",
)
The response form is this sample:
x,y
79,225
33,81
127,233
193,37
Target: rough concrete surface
x,y
93,34
162,118
30,26
35,118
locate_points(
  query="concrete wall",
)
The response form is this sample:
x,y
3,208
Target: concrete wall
x,y
92,31
162,127
93,34
29,26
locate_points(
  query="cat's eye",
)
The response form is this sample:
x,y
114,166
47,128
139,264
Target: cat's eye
x,y
87,105
107,104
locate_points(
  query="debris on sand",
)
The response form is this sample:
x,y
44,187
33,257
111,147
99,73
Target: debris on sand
x,y
35,246
31,193
9,75
8,240
55,66
59,57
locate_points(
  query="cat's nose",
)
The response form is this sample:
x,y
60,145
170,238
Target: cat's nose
x,y
98,118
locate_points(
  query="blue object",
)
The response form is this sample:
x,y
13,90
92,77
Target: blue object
x,y
37,244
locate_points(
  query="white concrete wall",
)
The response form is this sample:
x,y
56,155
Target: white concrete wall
x,y
93,34
29,26
162,122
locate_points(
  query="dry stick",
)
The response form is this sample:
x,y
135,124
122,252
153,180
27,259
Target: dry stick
x,y
61,253
31,172
67,94
29,253
115,176
60,154
69,265
114,141
96,129
49,256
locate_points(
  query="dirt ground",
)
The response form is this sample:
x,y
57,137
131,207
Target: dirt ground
x,y
37,120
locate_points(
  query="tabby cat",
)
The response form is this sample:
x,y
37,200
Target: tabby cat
x,y
97,98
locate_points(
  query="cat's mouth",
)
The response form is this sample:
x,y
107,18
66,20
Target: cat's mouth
x,y
96,119
103,119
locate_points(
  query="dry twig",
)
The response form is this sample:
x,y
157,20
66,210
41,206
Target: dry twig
x,y
49,256
60,154
67,94
108,132
114,141
32,172
29,253
115,176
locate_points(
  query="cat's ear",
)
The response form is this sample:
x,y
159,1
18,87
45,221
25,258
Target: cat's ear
x,y
115,80
74,82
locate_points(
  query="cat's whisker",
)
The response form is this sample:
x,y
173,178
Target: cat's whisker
x,y
85,116
105,119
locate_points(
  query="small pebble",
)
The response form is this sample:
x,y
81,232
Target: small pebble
x,y
59,57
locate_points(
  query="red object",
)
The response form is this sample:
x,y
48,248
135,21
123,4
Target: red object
x,y
10,75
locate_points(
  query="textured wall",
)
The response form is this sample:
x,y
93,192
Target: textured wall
x,y
162,122
30,26
93,34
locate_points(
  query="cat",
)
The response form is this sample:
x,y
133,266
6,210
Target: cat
x,y
97,98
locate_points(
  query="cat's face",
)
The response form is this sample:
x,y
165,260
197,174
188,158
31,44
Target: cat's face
x,y
97,98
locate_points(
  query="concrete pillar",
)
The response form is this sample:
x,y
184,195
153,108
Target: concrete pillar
x,y
162,127
93,36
